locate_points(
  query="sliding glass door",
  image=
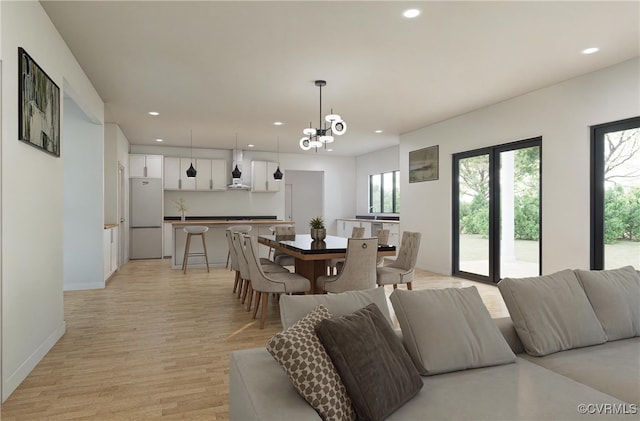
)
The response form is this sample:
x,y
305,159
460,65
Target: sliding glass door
x,y
615,194
496,211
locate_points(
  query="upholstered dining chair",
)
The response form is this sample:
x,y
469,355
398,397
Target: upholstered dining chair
x,y
335,265
284,230
233,259
383,238
272,228
402,269
268,266
268,283
359,271
236,228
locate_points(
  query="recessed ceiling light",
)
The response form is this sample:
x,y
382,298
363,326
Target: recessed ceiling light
x,y
278,123
378,131
251,146
154,113
411,13
158,140
590,50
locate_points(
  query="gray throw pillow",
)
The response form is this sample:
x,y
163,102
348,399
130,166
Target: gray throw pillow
x,y
551,313
615,298
449,330
295,307
373,365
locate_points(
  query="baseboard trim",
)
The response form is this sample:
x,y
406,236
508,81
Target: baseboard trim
x,y
80,287
13,381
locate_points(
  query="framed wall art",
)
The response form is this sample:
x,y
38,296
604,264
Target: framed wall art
x,y
38,106
423,164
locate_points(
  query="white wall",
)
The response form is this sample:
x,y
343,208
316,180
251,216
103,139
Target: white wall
x,y
83,200
562,115
339,189
385,160
32,198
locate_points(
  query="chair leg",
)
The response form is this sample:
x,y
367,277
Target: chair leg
x,y
236,282
410,286
186,253
247,282
250,297
265,301
206,257
228,256
258,299
240,286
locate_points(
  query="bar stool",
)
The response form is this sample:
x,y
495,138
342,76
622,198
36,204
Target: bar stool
x,y
191,231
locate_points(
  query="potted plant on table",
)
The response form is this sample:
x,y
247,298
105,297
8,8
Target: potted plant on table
x,y
181,204
318,231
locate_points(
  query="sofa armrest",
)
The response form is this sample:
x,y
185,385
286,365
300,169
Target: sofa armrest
x,y
508,330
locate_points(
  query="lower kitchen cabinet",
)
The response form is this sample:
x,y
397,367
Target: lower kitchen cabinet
x,y
110,251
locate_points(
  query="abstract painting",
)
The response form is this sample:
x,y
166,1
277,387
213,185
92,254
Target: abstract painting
x,y
423,164
39,106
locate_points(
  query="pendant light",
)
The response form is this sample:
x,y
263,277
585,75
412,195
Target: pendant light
x,y
191,172
236,173
278,174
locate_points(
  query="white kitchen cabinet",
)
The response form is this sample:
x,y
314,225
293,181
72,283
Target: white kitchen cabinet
x,y
145,166
167,233
114,248
212,174
175,174
262,177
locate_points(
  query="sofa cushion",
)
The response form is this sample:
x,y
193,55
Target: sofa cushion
x,y
615,298
551,313
300,353
295,307
612,368
448,330
376,370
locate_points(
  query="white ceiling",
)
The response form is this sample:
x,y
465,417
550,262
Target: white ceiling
x,y
223,68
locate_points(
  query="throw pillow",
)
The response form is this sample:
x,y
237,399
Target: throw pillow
x,y
551,313
448,330
295,307
373,365
302,356
615,298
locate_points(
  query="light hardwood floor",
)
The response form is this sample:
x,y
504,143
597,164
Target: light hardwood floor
x,y
155,343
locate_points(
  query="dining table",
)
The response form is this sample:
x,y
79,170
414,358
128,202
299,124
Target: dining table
x,y
311,256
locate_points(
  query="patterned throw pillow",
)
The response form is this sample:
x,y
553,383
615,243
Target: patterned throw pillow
x,y
302,356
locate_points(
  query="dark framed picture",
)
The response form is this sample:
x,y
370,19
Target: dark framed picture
x,y
38,106
423,164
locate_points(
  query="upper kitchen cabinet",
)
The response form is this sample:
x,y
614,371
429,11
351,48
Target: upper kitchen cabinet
x,y
211,175
175,174
262,177
145,166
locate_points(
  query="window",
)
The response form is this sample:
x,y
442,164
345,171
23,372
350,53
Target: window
x,y
384,192
615,194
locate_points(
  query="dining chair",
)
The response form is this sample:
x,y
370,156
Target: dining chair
x,y
268,266
359,271
267,283
402,269
237,228
234,263
383,238
335,265
272,228
283,259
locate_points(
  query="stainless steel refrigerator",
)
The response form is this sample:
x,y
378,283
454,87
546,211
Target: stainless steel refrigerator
x,y
146,218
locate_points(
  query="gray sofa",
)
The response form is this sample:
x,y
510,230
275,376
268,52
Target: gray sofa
x,y
602,380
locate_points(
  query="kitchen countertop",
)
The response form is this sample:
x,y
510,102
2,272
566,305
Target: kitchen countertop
x,y
386,221
231,222
109,226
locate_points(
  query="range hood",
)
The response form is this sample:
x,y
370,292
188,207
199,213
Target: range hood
x,y
236,183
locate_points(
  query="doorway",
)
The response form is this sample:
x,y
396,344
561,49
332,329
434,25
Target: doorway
x,y
496,212
304,197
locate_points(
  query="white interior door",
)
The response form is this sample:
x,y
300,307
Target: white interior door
x,y
304,197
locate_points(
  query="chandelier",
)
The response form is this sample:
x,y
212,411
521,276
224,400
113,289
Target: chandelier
x,y
315,138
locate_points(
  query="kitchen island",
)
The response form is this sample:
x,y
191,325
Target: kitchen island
x,y
215,239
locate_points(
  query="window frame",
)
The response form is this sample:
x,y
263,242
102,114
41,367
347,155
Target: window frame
x,y
393,190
